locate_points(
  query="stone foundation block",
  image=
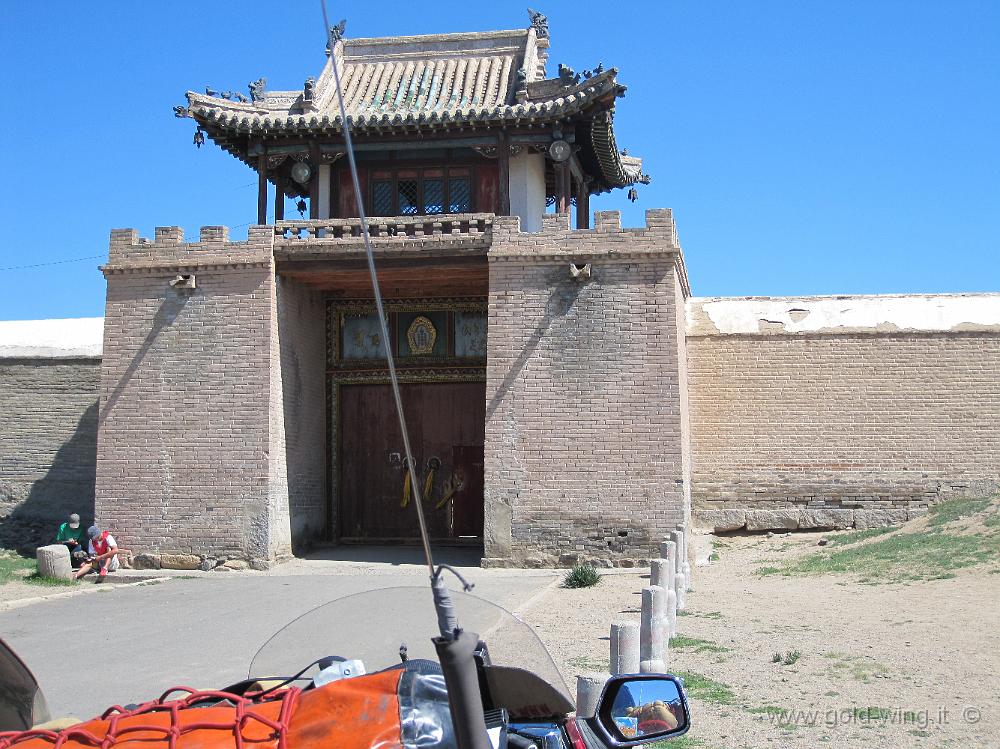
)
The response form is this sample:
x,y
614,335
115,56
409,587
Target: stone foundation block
x,y
180,561
54,562
864,519
828,520
146,562
770,520
720,521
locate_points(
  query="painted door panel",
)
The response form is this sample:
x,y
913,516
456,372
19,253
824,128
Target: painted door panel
x,y
447,427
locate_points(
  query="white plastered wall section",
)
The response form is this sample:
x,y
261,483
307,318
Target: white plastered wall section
x,y
527,189
324,191
74,338
879,313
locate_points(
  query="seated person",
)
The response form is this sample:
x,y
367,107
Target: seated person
x,y
102,554
71,535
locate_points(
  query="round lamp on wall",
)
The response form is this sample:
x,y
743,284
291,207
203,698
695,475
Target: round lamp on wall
x,y
301,172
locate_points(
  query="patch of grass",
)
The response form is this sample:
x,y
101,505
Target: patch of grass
x,y
704,688
919,732
697,645
791,657
900,556
776,658
714,556
590,664
956,509
35,579
871,713
767,710
857,536
854,667
581,576
13,567
681,742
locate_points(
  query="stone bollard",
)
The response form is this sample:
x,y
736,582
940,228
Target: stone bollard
x,y
668,550
680,537
624,648
54,561
659,573
671,614
680,587
651,651
588,693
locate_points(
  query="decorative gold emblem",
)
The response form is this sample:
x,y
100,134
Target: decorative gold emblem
x,y
421,336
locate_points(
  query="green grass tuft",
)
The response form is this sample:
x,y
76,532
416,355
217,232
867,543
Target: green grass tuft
x,y
581,576
701,687
956,509
854,537
35,579
681,642
791,657
13,567
891,556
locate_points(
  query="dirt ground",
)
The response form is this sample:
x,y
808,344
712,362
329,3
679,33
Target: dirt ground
x,y
913,664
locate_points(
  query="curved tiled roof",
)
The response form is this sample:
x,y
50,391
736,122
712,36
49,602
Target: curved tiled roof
x,y
434,83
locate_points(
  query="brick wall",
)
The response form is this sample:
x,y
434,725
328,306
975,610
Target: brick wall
x,y
584,424
48,446
302,353
186,454
837,429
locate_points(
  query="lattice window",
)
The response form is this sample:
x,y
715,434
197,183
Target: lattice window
x,y
434,196
382,199
408,191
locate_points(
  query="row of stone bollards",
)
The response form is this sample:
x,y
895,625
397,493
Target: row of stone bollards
x,y
642,647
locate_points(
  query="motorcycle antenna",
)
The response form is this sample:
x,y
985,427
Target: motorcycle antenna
x,y
455,647
447,622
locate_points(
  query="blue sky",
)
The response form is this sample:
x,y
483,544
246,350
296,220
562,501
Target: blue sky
x,y
806,146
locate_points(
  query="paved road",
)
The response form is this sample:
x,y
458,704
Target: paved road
x,y
130,643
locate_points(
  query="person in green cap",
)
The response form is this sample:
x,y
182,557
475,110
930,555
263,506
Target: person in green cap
x,y
71,534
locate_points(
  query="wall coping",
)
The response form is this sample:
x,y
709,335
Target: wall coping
x,y
71,338
844,314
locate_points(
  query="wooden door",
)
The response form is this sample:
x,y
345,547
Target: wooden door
x,y
447,432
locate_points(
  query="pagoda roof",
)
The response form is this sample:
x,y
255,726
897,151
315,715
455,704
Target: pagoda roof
x,y
431,83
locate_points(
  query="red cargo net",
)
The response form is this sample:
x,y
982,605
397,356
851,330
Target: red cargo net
x,y
121,724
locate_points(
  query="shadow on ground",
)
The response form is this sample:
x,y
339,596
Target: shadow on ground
x,y
396,555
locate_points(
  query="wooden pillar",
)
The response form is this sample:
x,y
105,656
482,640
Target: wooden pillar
x,y
503,164
279,204
582,205
262,189
314,181
562,186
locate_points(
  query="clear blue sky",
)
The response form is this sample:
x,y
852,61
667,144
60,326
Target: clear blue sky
x,y
806,146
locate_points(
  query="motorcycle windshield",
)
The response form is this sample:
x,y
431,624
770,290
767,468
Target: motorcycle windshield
x,y
373,626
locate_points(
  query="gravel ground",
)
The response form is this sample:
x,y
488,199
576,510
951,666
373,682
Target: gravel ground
x,y
889,665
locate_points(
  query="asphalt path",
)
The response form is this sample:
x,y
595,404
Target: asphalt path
x,y
128,644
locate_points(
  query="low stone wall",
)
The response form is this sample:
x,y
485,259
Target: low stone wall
x,y
841,412
49,371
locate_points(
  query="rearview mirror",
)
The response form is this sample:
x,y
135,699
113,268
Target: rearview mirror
x,y
640,708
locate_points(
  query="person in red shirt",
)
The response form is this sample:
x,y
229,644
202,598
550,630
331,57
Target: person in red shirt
x,y
102,554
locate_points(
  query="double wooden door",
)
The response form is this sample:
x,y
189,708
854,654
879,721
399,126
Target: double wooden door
x,y
446,422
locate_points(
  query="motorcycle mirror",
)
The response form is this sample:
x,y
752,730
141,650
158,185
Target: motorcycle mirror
x,y
640,708
22,704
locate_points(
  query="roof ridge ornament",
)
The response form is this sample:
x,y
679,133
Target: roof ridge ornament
x,y
568,76
539,23
257,89
336,34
